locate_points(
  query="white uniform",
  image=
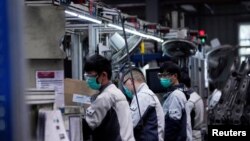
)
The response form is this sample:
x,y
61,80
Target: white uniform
x,y
177,117
108,118
196,107
151,125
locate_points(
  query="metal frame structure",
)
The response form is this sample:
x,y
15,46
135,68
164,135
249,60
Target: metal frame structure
x,y
108,17
77,26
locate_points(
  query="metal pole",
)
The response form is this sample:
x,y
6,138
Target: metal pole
x,y
75,56
174,16
13,114
130,66
93,39
80,60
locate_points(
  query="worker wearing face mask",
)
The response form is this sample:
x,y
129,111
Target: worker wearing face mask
x,y
177,117
108,118
148,119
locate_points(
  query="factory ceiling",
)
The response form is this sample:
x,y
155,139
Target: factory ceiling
x,y
189,7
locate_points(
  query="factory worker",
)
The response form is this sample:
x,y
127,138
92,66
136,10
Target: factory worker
x,y
196,108
148,119
108,118
177,117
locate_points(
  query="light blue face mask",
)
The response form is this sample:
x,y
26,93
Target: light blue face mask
x,y
128,93
165,82
91,81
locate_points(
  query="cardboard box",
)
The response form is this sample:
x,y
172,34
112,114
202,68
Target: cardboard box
x,y
72,86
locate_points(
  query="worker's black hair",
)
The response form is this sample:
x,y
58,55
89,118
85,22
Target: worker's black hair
x,y
185,79
98,64
172,68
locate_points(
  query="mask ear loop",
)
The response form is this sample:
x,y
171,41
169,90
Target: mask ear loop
x,y
98,76
96,79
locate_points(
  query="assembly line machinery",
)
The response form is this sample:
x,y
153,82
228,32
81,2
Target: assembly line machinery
x,y
233,102
97,24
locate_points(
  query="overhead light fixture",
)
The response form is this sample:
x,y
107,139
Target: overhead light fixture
x,y
155,38
188,7
83,17
136,33
89,19
115,26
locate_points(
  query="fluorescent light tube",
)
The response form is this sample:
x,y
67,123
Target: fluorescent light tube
x,y
71,13
127,30
90,19
136,33
115,26
83,17
155,38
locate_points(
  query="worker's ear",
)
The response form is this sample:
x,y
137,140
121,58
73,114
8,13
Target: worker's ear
x,y
175,76
104,74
